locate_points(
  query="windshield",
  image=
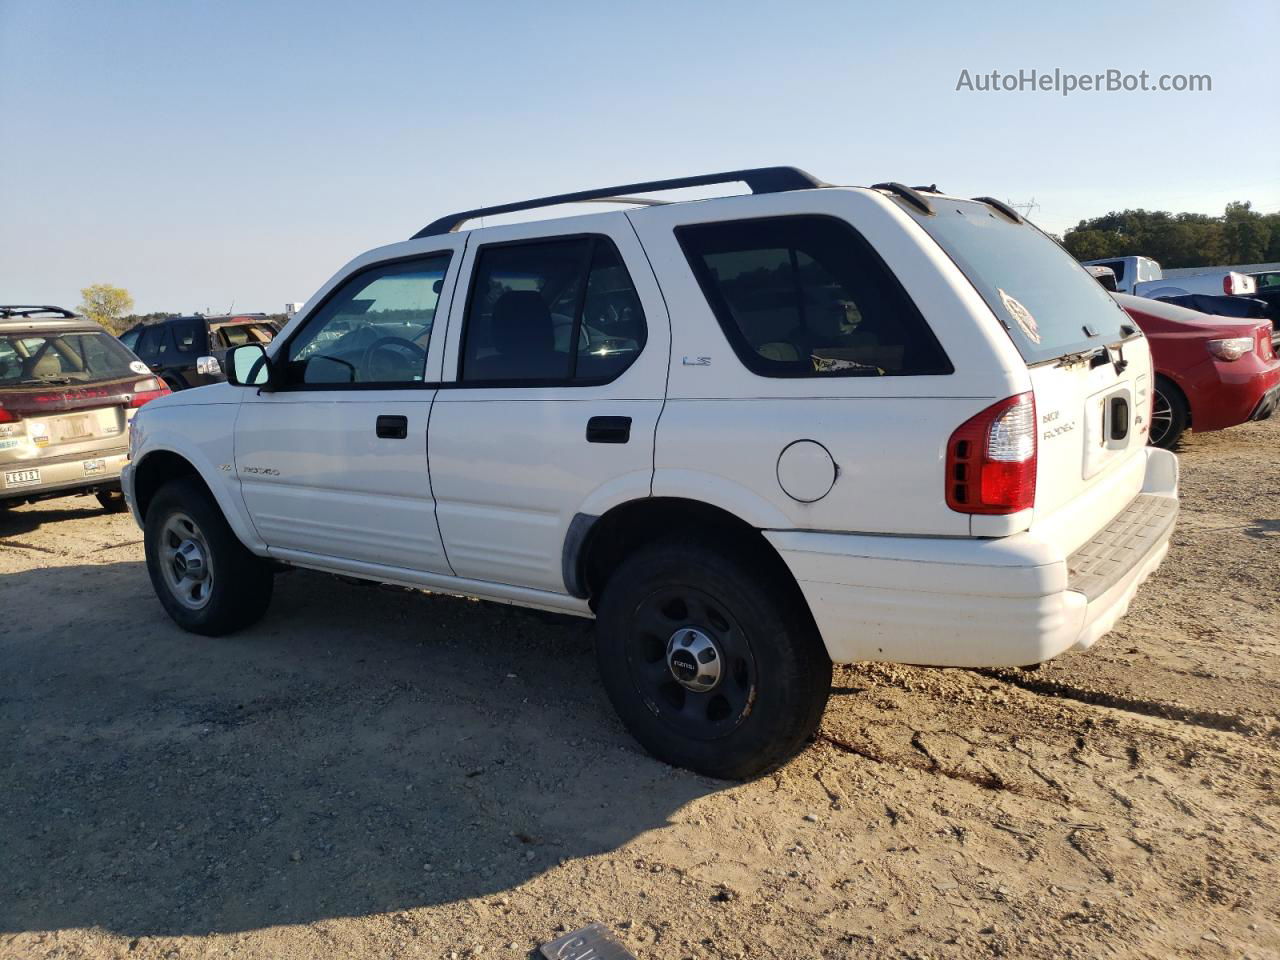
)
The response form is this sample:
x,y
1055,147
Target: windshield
x,y
1050,305
81,356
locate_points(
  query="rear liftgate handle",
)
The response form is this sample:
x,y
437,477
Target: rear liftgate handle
x,y
390,427
608,430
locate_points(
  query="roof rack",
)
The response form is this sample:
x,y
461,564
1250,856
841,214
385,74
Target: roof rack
x,y
759,180
907,194
25,310
1003,208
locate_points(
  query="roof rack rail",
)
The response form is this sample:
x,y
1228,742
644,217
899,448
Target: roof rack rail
x,y
1003,208
904,192
758,179
9,311
931,188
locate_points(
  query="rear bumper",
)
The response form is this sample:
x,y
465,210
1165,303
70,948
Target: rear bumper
x,y
1232,393
1007,602
64,475
1268,405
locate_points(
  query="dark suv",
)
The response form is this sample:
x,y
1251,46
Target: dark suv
x,y
176,349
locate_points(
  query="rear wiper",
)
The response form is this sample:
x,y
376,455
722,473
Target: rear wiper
x,y
61,381
1084,356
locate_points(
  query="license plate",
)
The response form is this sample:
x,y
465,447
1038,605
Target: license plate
x,y
94,466
73,428
21,478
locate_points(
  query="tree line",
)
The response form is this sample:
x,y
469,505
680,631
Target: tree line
x,y
1240,235
112,308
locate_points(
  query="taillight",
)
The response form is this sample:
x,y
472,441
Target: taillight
x,y
1231,348
144,391
1228,284
8,416
991,459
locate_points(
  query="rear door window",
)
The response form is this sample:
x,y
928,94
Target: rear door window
x,y
550,312
151,342
1050,305
807,296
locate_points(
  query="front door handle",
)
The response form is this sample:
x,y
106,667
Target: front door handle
x,y
390,427
608,430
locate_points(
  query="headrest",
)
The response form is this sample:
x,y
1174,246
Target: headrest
x,y
522,323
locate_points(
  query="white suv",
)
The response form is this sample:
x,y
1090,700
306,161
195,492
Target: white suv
x,y
748,435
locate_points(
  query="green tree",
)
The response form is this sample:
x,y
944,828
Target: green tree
x,y
1240,235
1246,232
105,304
1091,244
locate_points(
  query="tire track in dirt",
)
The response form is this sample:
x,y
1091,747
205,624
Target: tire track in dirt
x,y
1209,719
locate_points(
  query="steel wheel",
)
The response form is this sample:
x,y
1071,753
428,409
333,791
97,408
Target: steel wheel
x,y
185,561
691,662
1161,418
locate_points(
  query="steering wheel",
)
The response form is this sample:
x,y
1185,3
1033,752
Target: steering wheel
x,y
367,361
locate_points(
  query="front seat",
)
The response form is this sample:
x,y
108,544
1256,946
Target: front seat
x,y
523,337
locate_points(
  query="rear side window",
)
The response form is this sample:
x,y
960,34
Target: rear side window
x,y
551,311
807,296
188,336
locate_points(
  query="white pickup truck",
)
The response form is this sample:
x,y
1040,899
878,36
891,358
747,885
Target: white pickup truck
x,y
1142,277
748,436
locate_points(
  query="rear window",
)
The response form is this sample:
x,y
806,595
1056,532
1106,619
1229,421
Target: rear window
x,y
238,334
807,296
1050,305
36,359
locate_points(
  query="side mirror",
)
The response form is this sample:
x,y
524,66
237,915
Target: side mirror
x,y
248,366
208,366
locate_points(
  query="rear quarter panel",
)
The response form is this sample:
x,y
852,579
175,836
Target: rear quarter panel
x,y
724,427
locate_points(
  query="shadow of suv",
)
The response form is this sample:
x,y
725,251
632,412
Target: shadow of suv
x,y
173,348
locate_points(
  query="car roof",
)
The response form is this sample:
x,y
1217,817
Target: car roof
x,y
759,180
48,325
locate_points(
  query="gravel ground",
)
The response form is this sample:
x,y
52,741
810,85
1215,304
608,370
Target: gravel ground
x,y
378,773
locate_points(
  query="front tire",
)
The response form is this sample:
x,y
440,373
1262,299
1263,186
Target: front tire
x,y
202,574
712,662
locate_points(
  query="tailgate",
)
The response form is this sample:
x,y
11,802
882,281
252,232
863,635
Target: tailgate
x,y
1092,415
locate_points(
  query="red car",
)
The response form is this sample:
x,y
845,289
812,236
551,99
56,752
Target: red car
x,y
1211,372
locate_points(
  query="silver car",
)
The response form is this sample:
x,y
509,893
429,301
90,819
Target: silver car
x,y
68,390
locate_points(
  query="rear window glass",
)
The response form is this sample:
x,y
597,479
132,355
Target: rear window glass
x,y
1050,305
806,296
34,359
238,334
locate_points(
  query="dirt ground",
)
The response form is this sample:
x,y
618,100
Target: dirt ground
x,y
375,773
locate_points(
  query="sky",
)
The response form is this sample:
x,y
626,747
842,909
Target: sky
x,y
233,155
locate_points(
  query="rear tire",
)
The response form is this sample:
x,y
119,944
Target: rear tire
x,y
713,662
202,574
1169,415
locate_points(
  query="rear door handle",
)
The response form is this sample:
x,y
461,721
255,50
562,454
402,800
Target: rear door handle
x,y
390,427
608,430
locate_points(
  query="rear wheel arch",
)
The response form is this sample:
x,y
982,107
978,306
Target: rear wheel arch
x,y
1165,379
596,546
